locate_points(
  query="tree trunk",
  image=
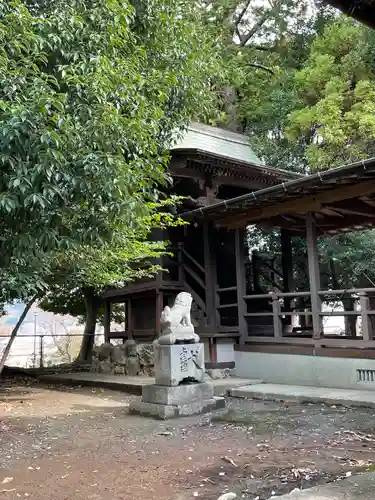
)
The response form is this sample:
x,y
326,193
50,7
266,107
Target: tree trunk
x,y
15,331
91,306
350,321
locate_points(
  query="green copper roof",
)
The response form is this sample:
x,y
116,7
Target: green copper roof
x,y
218,141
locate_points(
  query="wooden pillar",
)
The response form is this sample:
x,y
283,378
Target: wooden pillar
x,y
210,274
130,319
287,269
210,285
181,277
314,276
107,320
366,323
159,309
241,283
276,312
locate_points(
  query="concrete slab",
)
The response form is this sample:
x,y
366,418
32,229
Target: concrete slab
x,y
304,394
164,412
177,395
133,385
123,383
223,386
360,487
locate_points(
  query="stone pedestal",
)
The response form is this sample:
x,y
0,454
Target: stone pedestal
x,y
178,363
179,388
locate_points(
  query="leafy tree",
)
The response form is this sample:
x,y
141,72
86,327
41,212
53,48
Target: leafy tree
x,y
316,112
81,275
89,105
92,93
263,45
336,89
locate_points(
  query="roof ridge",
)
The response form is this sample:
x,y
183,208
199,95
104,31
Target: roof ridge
x,y
210,130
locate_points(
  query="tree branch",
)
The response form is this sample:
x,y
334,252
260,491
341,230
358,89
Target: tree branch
x,y
254,29
15,331
239,18
260,66
264,48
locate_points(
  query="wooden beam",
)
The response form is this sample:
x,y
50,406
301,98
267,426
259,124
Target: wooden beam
x,y
238,181
352,211
301,204
314,276
328,225
349,223
241,283
358,205
330,212
368,201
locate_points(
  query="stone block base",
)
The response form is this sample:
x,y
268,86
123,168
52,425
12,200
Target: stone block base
x,y
166,411
179,363
177,395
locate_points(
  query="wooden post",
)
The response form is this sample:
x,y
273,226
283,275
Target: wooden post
x,y
212,313
159,309
366,323
130,319
276,311
314,276
181,277
210,273
287,269
107,320
241,283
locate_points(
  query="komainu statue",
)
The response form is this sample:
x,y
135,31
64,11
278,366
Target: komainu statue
x,y
176,324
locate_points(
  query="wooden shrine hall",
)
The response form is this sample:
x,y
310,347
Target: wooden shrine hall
x,y
327,203
235,313
208,165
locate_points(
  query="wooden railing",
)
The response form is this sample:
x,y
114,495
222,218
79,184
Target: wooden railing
x,y
277,312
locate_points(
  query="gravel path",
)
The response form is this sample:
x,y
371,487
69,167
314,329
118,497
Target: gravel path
x,y
77,443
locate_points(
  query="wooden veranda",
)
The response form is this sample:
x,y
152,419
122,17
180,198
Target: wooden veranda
x,y
326,203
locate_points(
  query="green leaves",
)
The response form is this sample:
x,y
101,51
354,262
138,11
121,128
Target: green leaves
x,y
91,95
336,91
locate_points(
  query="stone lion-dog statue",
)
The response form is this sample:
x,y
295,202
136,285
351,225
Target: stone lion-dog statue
x,y
176,322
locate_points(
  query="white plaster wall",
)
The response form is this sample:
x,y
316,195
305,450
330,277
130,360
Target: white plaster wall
x,y
225,350
295,369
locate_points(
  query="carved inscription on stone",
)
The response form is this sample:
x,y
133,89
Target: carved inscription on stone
x,y
188,356
184,360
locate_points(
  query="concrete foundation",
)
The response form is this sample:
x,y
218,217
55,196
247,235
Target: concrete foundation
x,y
313,371
182,394
304,394
166,411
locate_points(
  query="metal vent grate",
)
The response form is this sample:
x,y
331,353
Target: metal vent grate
x,y
366,375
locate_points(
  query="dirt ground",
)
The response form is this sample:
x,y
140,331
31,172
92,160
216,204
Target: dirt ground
x,y
76,443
